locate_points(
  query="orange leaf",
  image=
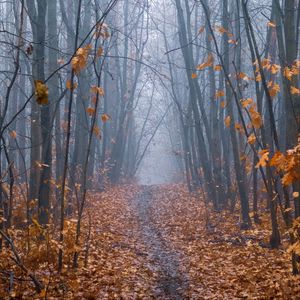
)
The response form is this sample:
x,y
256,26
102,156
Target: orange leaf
x,y
271,24
100,52
105,117
246,102
208,63
228,121
91,111
201,29
287,73
13,134
69,85
295,91
97,131
219,94
218,67
264,158
97,90
41,92
251,139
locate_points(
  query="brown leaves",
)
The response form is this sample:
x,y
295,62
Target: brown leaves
x,y
288,164
79,61
271,24
105,117
41,92
256,118
295,91
264,158
71,86
219,94
97,90
252,139
13,134
207,63
227,121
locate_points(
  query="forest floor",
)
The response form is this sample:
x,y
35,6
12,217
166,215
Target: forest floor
x,y
159,242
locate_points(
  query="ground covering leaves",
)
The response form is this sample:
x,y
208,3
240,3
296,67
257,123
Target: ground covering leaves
x,y
174,247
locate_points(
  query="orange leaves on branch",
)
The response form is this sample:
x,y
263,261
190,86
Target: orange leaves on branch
x,y
278,160
288,164
218,68
97,131
208,63
91,111
252,139
295,91
13,134
71,87
274,88
227,121
223,104
100,52
274,69
41,92
294,70
102,30
264,158
194,76
246,102
97,90
256,118
287,73
271,24
222,30
241,75
105,117
79,61
219,94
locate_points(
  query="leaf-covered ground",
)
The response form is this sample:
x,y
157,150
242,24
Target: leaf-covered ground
x,y
160,242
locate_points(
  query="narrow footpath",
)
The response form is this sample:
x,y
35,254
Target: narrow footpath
x,y
171,282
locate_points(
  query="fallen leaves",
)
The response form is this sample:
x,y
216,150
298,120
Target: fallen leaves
x,y
212,257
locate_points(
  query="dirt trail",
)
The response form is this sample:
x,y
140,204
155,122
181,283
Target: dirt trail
x,y
171,283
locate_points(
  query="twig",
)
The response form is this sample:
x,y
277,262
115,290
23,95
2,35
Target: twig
x,y
38,285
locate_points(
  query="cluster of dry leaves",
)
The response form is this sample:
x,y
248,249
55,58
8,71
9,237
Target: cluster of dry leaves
x,y
212,258
221,261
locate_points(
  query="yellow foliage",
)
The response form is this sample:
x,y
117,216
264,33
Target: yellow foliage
x,y
41,92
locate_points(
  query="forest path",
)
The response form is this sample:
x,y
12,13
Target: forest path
x,y
171,283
